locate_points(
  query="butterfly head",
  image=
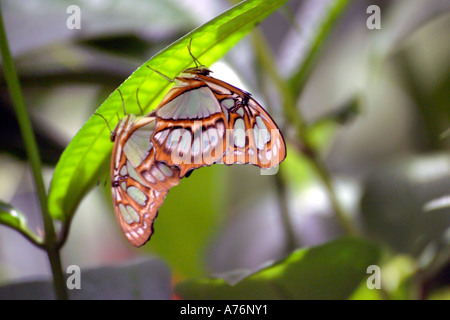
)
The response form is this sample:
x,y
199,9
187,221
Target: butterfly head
x,y
191,72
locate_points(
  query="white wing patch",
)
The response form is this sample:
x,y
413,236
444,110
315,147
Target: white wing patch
x,y
198,103
138,146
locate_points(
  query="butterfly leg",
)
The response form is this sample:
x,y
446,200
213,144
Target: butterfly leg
x,y
161,74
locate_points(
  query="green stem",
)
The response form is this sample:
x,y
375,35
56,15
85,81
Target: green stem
x,y
15,91
290,244
296,120
339,212
265,59
323,29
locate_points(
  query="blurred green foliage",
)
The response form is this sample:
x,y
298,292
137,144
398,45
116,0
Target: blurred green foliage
x,y
302,275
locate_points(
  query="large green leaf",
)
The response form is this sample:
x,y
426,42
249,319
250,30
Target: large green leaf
x,y
330,271
87,155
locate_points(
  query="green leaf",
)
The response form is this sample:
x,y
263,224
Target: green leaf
x,y
330,271
87,155
397,274
364,293
13,218
296,169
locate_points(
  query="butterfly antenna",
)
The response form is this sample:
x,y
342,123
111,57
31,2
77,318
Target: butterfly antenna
x,y
161,74
123,102
196,61
137,99
107,124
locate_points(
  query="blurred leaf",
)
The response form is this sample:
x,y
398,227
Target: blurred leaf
x,y
434,266
394,197
296,169
87,155
11,217
441,294
445,134
45,22
143,279
398,277
438,203
187,219
364,293
320,134
47,53
330,271
432,104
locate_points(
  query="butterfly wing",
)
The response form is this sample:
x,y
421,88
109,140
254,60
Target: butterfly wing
x,y
139,182
252,136
136,209
190,127
203,120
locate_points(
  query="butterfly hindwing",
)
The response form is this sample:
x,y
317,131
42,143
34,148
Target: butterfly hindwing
x,y
136,208
139,182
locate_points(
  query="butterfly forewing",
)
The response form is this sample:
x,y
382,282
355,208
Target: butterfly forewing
x,y
203,120
139,182
190,126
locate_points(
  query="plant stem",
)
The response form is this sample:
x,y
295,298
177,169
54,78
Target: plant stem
x,y
295,119
15,91
265,58
339,212
290,244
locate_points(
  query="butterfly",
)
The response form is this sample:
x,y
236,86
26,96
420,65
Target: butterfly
x,y
139,183
203,120
200,121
